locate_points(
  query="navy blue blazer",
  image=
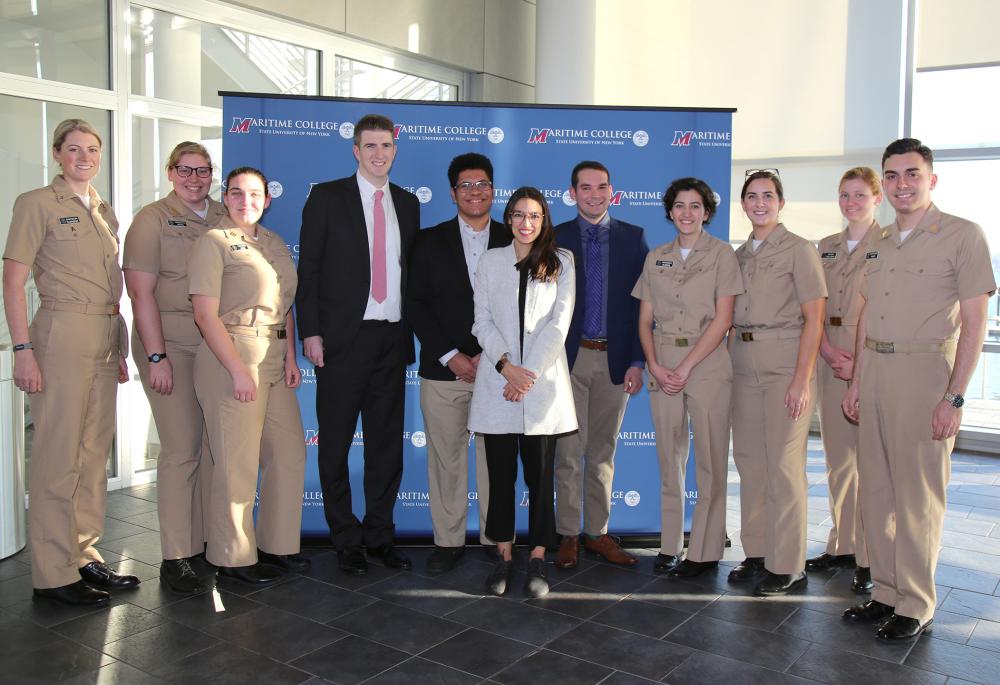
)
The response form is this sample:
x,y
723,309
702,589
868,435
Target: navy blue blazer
x,y
627,250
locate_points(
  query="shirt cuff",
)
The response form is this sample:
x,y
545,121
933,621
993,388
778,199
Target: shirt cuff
x,y
638,365
446,357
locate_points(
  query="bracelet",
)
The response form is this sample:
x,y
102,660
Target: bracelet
x,y
24,346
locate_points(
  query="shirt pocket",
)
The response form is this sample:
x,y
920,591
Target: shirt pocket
x,y
175,248
65,242
931,272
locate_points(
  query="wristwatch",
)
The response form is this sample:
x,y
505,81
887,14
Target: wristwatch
x,y
954,400
502,362
157,357
23,346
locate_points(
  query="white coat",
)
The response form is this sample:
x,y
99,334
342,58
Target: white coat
x,y
548,408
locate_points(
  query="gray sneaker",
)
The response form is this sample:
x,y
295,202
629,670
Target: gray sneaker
x,y
500,577
536,585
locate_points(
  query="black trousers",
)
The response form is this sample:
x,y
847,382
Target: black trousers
x,y
537,458
369,379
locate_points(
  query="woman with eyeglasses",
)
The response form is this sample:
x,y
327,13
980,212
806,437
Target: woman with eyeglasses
x,y
843,257
70,361
522,399
242,284
777,327
165,340
688,287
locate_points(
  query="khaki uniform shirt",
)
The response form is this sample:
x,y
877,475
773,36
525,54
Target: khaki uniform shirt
x,y
683,292
254,280
913,288
782,275
845,271
72,249
159,242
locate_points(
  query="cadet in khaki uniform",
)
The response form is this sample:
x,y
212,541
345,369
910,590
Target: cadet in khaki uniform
x,y
165,341
927,283
689,287
70,363
242,283
843,257
778,324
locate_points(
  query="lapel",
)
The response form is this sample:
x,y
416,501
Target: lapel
x,y
702,247
571,240
500,235
455,252
356,223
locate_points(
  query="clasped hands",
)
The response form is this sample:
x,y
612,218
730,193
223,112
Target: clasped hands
x,y
519,381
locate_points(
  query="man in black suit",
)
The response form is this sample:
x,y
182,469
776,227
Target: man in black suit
x,y
439,307
355,241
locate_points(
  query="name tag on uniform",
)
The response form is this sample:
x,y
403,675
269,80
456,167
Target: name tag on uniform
x,y
176,222
664,262
69,220
871,255
829,255
236,247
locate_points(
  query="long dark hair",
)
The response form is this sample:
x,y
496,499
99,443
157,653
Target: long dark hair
x,y
542,261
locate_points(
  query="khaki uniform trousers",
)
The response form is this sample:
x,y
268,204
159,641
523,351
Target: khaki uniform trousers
x,y
184,467
770,452
585,459
445,405
840,443
265,434
904,476
74,420
706,401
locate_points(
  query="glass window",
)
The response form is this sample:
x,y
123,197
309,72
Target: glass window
x,y
361,80
61,41
957,107
185,60
152,142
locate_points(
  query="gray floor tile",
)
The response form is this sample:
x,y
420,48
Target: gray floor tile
x,y
986,635
324,567
611,579
739,642
12,568
826,664
517,621
274,633
973,604
953,627
120,506
149,520
834,631
620,650
350,660
961,661
117,673
709,669
159,645
144,546
207,609
620,678
755,612
428,595
681,595
312,599
642,617
576,600
967,579
99,628
417,670
57,659
551,668
404,629
18,635
229,665
115,529
476,651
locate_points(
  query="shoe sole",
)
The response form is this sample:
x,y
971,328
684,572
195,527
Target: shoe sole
x,y
165,583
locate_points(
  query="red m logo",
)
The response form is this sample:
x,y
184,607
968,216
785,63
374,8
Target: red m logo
x,y
616,199
539,135
240,125
682,138
395,131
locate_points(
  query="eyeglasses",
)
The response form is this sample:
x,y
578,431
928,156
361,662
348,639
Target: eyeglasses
x,y
519,217
772,171
202,171
469,186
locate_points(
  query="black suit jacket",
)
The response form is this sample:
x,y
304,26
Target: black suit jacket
x,y
335,264
439,298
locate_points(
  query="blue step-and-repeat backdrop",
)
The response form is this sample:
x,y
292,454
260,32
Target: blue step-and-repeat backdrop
x,y
298,142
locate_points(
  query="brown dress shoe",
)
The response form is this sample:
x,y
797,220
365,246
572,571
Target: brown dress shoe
x,y
568,551
609,548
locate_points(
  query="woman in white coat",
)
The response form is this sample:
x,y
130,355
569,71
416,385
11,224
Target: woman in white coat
x,y
524,295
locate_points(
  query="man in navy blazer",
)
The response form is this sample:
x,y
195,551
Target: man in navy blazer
x,y
605,360
354,247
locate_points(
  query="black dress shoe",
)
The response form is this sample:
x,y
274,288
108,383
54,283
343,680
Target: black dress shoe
x,y
690,569
667,562
289,562
500,577
391,557
871,611
443,559
862,581
352,560
902,628
827,561
179,576
254,574
780,584
536,585
97,574
75,594
747,570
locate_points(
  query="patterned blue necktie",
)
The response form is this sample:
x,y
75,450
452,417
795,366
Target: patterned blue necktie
x,y
594,301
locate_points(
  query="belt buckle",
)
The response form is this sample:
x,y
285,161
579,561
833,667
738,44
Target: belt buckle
x,y
746,336
681,342
282,334
836,321
884,347
115,310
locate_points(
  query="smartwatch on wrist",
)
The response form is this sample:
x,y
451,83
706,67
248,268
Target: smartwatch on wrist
x,y
502,362
157,357
23,346
954,400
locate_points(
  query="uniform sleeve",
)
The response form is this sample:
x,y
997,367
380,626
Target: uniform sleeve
x,y
807,273
728,277
643,290
142,242
27,231
975,272
205,267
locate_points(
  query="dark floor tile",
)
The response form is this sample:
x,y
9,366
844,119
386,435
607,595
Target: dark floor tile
x,y
478,652
312,599
12,568
153,594
228,664
58,659
953,627
15,590
49,613
146,491
739,642
206,609
677,594
120,506
831,597
756,612
324,567
99,628
350,660
132,567
611,579
274,633
986,635
117,673
551,668
144,546
429,595
514,620
834,631
826,664
619,678
709,669
159,645
17,635
150,520
397,626
964,558
417,670
973,604
116,529
642,617
621,650
576,600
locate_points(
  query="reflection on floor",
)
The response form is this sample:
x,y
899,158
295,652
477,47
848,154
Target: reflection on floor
x,y
600,624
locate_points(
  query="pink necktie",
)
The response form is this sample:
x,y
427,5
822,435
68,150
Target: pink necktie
x,y
378,250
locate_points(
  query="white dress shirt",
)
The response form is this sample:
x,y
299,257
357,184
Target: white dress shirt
x,y
474,244
391,308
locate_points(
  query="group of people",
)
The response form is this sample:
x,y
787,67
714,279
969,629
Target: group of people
x,y
533,337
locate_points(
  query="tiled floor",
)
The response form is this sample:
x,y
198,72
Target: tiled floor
x,y
600,624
